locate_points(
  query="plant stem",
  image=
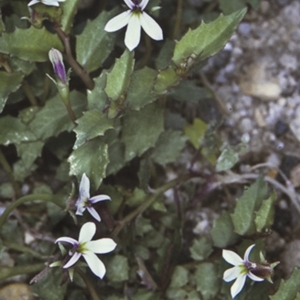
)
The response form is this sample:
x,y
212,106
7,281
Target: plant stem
x,y
178,19
26,269
42,197
85,77
27,89
90,287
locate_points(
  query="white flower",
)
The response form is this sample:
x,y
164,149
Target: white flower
x,y
85,202
87,248
46,2
242,268
135,18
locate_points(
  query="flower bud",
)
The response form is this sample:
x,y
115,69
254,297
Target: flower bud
x,y
58,65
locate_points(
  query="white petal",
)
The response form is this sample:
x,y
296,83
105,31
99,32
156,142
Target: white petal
x,y
93,213
133,32
232,258
151,27
143,4
84,188
80,206
95,264
129,3
247,253
98,198
238,285
67,240
254,277
33,2
87,232
101,246
72,261
231,274
118,22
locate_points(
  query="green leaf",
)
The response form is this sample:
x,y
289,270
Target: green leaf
x,y
227,159
207,280
116,154
29,152
196,132
92,159
9,82
180,277
30,44
165,79
244,213
140,89
201,249
93,123
168,147
94,44
222,233
207,39
165,55
230,6
118,78
265,216
13,131
53,118
288,289
141,129
118,269
69,10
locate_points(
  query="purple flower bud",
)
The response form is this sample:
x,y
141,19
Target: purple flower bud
x,y
58,65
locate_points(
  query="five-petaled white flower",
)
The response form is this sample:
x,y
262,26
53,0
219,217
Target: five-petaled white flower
x,y
46,2
85,202
87,248
135,18
242,268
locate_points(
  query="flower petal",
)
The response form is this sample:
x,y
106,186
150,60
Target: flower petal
x,y
98,198
33,2
87,232
143,4
101,246
84,188
254,277
151,27
130,4
232,258
118,22
94,213
231,274
238,285
67,240
80,204
247,252
73,260
133,32
95,264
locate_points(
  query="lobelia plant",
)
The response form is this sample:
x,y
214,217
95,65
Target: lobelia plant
x,y
122,122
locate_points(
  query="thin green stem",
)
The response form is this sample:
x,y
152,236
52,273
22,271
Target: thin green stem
x,y
90,287
25,269
41,197
178,19
71,113
28,92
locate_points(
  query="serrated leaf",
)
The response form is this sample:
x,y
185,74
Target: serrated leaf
x,y
94,44
165,55
92,159
195,132
116,154
165,79
140,89
288,289
69,10
28,152
9,82
207,39
222,233
227,159
30,44
118,269
168,147
180,277
251,200
13,131
119,77
201,249
53,118
93,123
265,216
141,129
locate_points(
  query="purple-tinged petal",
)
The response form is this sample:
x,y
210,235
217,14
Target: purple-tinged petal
x,y
130,4
98,198
143,4
94,213
238,285
231,274
95,264
84,188
118,22
232,258
87,232
247,253
66,240
80,207
73,260
133,32
101,246
56,59
254,277
151,27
